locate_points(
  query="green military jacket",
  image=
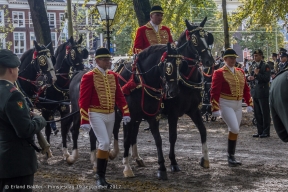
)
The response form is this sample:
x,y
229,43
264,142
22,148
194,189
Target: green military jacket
x,y
259,87
17,157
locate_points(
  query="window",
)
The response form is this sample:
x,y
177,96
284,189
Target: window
x,y
51,19
61,19
32,38
54,39
2,41
63,37
81,17
18,19
19,42
30,20
1,17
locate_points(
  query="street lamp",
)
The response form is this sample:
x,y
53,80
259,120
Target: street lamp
x,y
107,11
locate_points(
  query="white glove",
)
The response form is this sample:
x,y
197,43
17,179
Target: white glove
x,y
85,127
216,114
126,119
249,109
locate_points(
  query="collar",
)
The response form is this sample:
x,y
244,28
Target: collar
x,y
100,69
156,27
7,81
232,69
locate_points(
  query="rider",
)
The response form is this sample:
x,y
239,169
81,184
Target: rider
x,y
153,32
228,88
99,92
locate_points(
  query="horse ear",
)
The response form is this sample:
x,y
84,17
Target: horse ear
x,y
85,53
80,40
169,48
210,39
37,47
71,40
188,25
203,22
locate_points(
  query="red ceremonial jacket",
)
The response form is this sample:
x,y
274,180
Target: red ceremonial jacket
x,y
228,85
147,36
99,93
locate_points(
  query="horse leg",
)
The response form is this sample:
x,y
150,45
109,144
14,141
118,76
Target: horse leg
x,y
135,155
47,151
154,127
197,119
75,133
64,132
93,153
114,152
127,129
172,121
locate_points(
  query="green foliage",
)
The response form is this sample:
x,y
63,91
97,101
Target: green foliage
x,y
7,27
258,38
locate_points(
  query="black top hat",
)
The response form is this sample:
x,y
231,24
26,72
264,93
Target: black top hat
x,y
230,53
274,54
282,50
9,59
258,51
102,52
156,9
283,54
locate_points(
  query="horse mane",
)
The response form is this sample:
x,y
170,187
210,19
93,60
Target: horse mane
x,y
27,57
152,50
59,53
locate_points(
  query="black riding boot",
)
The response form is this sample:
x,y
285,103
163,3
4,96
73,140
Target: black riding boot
x,y
108,184
231,151
101,171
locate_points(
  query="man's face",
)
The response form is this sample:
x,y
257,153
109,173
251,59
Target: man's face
x,y
274,58
283,59
257,57
156,18
104,63
14,73
230,61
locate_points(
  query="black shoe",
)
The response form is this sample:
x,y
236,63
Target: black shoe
x,y
232,162
256,135
147,129
264,135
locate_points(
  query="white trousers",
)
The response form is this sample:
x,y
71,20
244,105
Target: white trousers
x,y
231,112
102,125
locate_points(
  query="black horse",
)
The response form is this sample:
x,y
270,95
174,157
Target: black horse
x,y
69,61
193,44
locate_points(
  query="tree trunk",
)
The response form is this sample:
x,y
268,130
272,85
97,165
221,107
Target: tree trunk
x,y
40,23
142,9
225,23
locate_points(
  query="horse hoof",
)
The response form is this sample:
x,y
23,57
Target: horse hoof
x,y
162,175
204,163
128,173
140,162
112,155
175,168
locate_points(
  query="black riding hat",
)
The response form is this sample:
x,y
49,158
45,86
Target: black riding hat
x,y
230,53
282,50
283,54
102,52
9,59
156,9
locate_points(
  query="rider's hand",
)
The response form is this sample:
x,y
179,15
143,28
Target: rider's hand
x,y
85,127
126,119
216,114
249,109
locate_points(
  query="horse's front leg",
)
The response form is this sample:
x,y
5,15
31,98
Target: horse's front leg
x,y
197,119
47,151
172,121
93,153
114,152
75,133
135,155
128,133
154,127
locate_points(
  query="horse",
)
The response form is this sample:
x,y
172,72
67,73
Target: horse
x,y
193,45
155,77
69,61
279,104
35,63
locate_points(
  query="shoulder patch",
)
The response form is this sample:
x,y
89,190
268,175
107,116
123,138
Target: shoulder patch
x,y
20,104
267,69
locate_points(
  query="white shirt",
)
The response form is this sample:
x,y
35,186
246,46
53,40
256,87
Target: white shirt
x,y
231,68
154,26
102,70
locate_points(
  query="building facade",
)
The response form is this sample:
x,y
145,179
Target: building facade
x,y
15,15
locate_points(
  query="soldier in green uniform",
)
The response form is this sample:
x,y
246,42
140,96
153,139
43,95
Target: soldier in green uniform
x,y
18,161
259,78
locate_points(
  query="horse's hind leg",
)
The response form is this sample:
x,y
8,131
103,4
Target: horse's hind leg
x,y
154,127
197,119
93,153
127,129
172,121
75,133
135,154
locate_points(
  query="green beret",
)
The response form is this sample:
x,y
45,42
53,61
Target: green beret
x,y
9,59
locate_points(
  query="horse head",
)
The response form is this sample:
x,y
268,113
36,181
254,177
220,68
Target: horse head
x,y
43,60
75,53
198,41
